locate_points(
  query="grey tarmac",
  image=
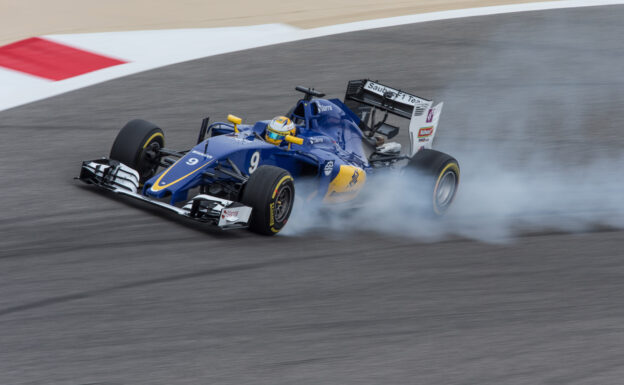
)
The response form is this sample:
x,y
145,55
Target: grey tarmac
x,y
101,291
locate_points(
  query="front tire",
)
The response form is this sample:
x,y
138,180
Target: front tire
x,y
270,192
442,178
138,146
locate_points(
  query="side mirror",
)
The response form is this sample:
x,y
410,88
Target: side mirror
x,y
235,120
293,140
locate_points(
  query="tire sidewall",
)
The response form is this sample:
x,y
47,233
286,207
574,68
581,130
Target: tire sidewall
x,y
448,166
261,193
285,182
132,142
433,165
157,136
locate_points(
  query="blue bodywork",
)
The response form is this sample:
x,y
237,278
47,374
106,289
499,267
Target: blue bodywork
x,y
331,138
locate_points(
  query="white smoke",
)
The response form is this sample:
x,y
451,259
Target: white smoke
x,y
541,156
535,126
494,204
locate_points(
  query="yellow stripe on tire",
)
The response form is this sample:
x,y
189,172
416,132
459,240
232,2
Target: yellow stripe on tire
x,y
286,177
279,184
455,167
157,134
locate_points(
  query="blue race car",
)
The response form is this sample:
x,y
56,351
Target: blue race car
x,y
243,175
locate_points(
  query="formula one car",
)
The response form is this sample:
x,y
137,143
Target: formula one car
x,y
244,175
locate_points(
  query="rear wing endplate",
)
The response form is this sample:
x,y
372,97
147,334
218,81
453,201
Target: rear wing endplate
x,y
422,128
421,113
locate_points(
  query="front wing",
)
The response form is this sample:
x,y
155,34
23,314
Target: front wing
x,y
121,179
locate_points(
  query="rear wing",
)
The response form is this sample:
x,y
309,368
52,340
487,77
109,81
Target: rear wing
x,y
423,117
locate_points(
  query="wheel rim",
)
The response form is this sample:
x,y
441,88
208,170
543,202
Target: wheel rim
x,y
446,189
283,203
150,159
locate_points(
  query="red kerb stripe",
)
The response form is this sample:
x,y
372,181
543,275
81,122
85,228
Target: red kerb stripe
x,y
46,59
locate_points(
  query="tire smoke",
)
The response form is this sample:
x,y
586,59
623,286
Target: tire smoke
x,y
494,203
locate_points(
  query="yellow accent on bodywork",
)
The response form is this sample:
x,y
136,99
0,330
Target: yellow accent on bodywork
x,y
346,185
157,187
154,136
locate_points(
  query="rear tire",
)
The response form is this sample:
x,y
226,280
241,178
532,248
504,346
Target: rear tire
x,y
138,146
270,192
442,173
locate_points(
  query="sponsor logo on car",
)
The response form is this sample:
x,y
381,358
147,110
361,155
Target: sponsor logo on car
x,y
425,131
354,179
329,167
430,115
391,93
316,139
229,213
207,156
241,139
323,108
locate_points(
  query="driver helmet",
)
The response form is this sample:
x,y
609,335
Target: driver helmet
x,y
279,127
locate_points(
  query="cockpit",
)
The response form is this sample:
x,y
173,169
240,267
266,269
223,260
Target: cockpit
x,y
330,119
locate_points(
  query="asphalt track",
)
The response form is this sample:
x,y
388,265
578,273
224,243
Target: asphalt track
x,y
97,291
